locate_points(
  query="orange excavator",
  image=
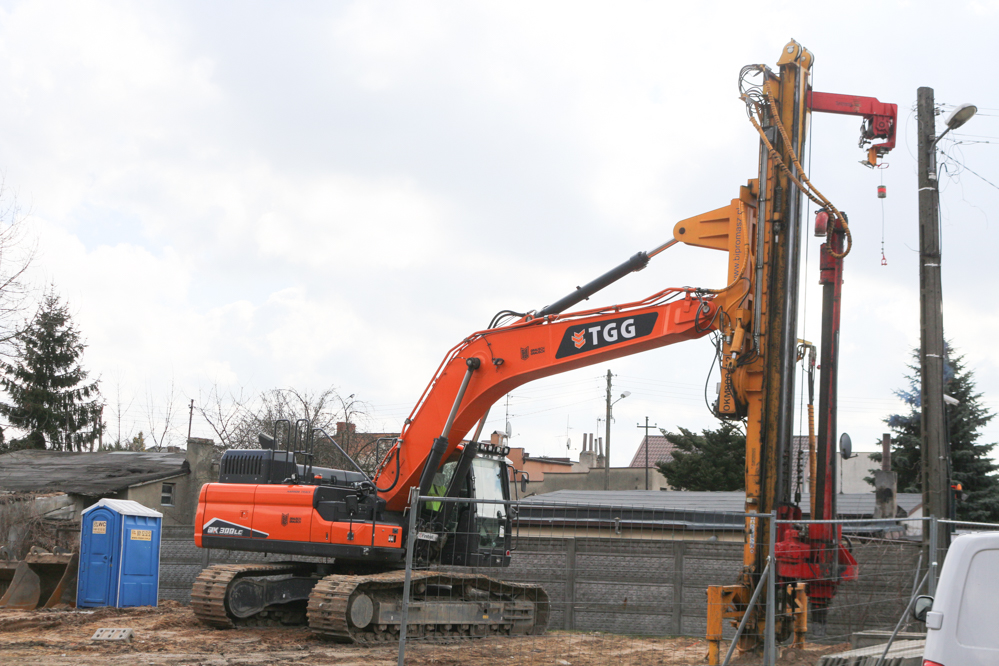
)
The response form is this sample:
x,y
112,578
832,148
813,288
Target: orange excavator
x,y
274,500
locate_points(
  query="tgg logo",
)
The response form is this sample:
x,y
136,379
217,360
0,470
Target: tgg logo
x,y
587,337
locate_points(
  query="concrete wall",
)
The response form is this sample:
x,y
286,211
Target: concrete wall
x,y
627,586
851,473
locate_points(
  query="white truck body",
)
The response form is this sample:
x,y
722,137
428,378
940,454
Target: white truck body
x,y
962,627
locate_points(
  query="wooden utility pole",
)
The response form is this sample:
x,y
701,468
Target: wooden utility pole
x,y
646,443
607,434
190,419
931,353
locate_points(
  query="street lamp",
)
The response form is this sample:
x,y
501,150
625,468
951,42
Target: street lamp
x,y
610,416
935,453
957,117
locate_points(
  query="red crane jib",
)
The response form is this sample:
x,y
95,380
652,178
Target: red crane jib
x,y
881,118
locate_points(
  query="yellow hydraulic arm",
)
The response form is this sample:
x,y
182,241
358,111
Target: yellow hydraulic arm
x,y
757,317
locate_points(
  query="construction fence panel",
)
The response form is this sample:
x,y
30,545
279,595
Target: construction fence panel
x,y
864,573
617,581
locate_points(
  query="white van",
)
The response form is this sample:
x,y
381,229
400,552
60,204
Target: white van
x,y
962,621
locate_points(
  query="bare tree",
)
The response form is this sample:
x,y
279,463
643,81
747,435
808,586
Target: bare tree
x,y
16,253
331,417
237,421
225,411
158,435
119,406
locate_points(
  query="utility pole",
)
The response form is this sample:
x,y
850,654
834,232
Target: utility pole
x,y
646,444
931,353
190,419
607,421
100,432
610,417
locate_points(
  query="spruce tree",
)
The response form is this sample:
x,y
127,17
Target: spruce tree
x,y
713,460
971,464
50,397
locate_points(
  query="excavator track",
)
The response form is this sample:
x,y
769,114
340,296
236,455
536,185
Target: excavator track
x,y
208,595
368,609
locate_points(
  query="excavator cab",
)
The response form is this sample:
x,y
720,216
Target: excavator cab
x,y
478,533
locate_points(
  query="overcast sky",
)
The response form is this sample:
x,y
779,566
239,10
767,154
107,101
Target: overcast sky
x,y
265,195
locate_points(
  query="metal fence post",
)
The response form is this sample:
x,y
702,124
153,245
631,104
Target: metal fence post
x,y
934,534
770,640
414,510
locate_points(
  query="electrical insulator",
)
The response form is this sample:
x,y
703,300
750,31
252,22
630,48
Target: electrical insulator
x,y
882,192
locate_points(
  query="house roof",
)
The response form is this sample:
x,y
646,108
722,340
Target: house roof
x,y
92,474
660,450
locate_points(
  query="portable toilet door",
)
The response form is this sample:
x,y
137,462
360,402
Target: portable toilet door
x,y
99,548
138,580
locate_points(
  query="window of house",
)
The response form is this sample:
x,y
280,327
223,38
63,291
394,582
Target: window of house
x,y
166,499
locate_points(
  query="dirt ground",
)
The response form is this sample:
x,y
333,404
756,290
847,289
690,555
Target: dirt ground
x,y
170,635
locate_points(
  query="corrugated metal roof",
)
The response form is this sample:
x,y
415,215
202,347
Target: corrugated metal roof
x,y
92,474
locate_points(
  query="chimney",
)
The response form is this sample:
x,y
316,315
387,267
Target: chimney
x,y
343,428
886,452
885,483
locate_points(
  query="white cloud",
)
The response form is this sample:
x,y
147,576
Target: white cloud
x,y
338,195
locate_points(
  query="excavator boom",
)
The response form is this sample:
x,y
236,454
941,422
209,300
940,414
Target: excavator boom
x,y
505,358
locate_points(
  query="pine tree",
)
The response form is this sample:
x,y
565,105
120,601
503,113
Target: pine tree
x,y
713,460
971,464
50,398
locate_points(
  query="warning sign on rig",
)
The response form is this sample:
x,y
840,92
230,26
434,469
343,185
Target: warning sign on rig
x,y
100,527
142,535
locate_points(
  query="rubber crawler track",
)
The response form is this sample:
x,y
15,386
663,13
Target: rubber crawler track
x,y
208,592
330,600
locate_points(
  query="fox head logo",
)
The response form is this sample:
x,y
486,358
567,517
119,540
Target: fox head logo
x,y
579,339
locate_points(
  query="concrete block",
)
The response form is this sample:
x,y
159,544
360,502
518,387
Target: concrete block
x,y
861,639
901,653
119,634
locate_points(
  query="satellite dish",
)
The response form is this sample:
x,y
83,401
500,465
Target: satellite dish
x,y
509,430
845,446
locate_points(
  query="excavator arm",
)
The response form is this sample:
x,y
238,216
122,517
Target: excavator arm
x,y
490,363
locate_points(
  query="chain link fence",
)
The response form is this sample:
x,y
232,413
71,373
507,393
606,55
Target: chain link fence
x,y
628,584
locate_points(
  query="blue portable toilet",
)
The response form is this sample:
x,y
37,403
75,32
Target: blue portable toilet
x,y
119,555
